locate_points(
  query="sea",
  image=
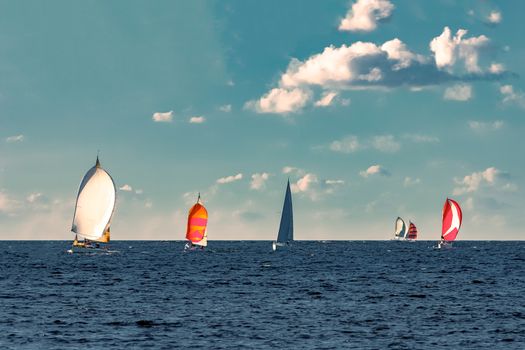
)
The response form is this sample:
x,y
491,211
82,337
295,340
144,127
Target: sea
x,y
242,295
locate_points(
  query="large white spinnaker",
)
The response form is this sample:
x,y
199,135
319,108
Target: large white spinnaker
x,y
400,229
95,204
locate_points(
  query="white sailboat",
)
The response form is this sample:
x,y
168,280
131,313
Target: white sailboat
x,y
94,209
400,229
285,235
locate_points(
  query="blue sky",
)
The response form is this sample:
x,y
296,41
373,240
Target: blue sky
x,y
373,108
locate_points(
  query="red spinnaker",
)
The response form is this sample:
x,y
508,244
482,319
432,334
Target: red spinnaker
x,y
452,217
412,231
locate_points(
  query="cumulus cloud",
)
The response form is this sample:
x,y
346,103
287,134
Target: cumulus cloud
x,y
348,144
281,101
450,49
351,144
229,179
225,108
259,180
512,97
485,126
126,188
162,117
34,197
304,183
471,183
374,170
409,181
385,143
197,120
334,182
7,204
496,68
327,99
459,92
494,17
420,138
14,138
365,65
365,14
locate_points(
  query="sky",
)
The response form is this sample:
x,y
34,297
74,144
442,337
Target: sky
x,y
373,109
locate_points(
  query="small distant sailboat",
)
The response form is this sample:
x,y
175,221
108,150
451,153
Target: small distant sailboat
x,y
452,218
412,232
94,209
400,229
196,230
285,235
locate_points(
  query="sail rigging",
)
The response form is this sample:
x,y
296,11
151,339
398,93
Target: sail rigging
x,y
286,226
412,231
95,205
452,218
400,228
197,224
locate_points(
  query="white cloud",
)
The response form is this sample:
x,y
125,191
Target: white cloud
x,y
512,97
289,169
459,92
448,49
496,68
485,126
419,138
34,197
139,191
293,170
351,144
334,182
259,180
225,108
7,204
281,101
162,117
366,65
411,181
305,183
494,17
228,179
15,138
348,144
148,204
197,120
327,99
385,143
397,51
364,15
126,188
472,182
374,170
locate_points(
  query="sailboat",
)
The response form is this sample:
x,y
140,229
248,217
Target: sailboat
x,y
452,217
196,230
285,235
400,229
94,209
412,232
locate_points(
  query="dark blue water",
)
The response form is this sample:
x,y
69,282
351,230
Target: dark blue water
x,y
239,295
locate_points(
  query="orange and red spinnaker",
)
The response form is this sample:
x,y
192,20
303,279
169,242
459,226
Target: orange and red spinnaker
x,y
197,221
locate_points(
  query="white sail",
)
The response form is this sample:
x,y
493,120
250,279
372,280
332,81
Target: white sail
x,y
95,204
400,228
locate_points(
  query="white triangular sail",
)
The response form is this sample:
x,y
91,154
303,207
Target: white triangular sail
x,y
95,204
